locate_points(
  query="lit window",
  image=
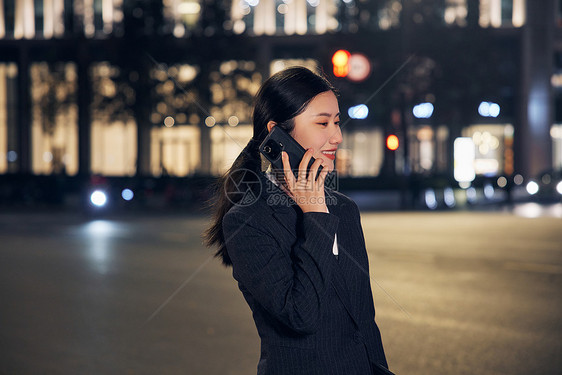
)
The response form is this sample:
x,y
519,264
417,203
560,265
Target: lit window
x,y
232,89
54,130
175,151
556,134
226,144
358,154
422,143
455,12
8,76
493,148
278,65
24,19
498,13
181,16
114,130
284,17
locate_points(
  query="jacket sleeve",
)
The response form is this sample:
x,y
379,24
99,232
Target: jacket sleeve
x,y
291,288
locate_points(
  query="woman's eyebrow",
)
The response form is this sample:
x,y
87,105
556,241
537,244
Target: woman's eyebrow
x,y
326,114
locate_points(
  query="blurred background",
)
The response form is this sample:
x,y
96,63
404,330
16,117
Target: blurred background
x,y
445,103
116,116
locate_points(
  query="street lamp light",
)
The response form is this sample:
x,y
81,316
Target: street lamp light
x,y
98,198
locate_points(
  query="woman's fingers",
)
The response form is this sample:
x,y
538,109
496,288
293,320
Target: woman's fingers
x,y
322,176
306,189
303,165
313,172
289,176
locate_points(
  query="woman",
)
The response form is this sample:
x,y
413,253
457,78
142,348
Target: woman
x,y
296,247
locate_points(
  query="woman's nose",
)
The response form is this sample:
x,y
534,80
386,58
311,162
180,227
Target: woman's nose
x,y
337,137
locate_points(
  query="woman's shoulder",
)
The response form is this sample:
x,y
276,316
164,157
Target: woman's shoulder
x,y
260,208
341,200
254,208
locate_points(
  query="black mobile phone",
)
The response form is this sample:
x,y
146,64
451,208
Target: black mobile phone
x,y
279,140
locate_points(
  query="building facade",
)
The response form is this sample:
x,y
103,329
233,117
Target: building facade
x,y
164,88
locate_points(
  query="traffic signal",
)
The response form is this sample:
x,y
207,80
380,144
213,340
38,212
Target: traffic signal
x,y
340,60
392,142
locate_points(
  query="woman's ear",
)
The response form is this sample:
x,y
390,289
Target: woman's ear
x,y
270,125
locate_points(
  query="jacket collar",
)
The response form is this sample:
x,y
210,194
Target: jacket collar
x,y
284,209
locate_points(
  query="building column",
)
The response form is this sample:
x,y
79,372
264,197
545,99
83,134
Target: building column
x,y
206,145
533,143
84,114
473,15
142,110
24,112
203,83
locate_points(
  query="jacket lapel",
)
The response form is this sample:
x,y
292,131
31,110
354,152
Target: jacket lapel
x,y
342,265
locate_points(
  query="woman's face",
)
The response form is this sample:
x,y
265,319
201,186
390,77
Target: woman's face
x,y
319,127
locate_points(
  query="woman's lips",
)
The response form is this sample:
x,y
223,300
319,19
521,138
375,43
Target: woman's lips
x,y
329,154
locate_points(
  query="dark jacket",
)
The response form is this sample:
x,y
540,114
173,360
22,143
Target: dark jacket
x,y
314,312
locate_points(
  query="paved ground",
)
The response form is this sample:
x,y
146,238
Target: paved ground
x,y
456,293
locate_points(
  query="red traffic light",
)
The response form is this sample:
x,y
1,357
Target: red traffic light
x,y
392,142
340,59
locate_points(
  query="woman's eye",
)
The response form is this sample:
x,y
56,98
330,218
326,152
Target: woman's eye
x,y
323,123
337,123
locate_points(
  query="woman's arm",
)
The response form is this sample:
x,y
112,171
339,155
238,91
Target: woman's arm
x,y
291,288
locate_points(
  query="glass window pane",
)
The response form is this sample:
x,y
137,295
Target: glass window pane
x,y
226,144
360,153
114,130
54,129
491,143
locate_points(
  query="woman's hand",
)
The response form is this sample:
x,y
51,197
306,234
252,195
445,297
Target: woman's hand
x,y
306,191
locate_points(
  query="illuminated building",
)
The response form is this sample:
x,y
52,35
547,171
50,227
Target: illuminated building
x,y
164,88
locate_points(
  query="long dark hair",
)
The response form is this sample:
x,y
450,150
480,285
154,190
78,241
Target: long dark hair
x,y
281,98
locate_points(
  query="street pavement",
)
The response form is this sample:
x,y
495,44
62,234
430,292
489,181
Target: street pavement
x,y
455,293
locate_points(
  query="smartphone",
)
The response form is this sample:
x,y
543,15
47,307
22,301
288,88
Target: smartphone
x,y
279,140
